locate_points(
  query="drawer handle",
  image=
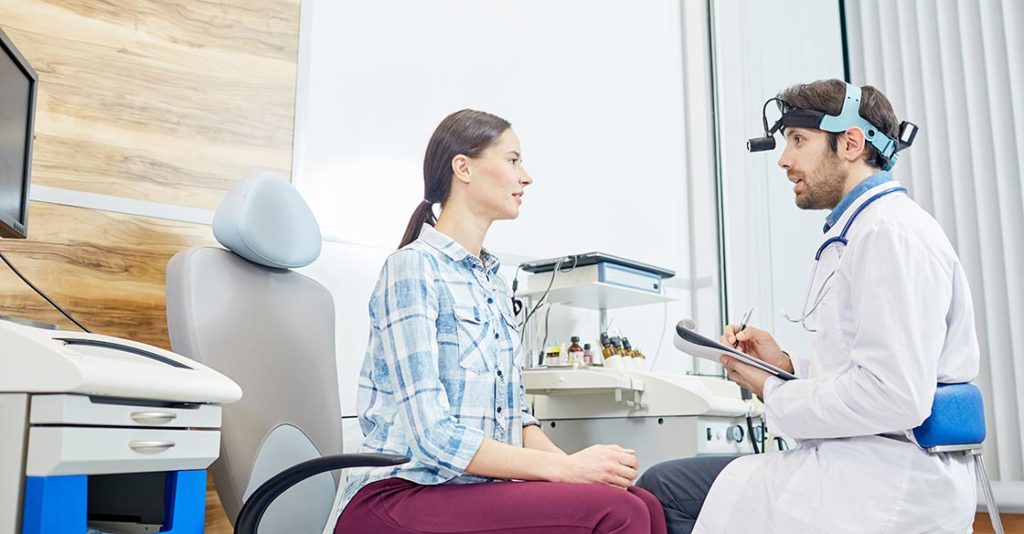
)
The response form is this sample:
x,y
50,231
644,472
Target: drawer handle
x,y
150,446
156,418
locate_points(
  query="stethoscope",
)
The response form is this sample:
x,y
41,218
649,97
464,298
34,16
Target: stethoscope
x,y
840,239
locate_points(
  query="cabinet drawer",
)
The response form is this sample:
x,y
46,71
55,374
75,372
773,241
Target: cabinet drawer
x,y
84,410
95,451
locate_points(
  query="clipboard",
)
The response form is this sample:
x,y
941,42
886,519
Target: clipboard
x,y
696,345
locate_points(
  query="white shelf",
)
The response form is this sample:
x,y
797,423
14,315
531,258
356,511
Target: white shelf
x,y
598,296
553,381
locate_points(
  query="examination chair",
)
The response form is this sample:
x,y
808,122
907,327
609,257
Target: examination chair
x,y
243,312
957,425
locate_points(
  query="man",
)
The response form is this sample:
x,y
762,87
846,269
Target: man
x,y
892,317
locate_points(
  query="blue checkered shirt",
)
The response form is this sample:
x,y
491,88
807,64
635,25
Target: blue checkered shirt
x,y
443,369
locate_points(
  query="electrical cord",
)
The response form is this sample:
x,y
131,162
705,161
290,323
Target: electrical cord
x,y
547,319
517,305
540,301
661,338
750,432
40,292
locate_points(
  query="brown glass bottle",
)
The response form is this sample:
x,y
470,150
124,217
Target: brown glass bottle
x,y
617,346
606,346
575,351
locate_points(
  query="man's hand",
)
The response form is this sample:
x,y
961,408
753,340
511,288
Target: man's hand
x,y
747,376
757,343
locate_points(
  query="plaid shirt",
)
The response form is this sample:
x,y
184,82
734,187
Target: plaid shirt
x,y
443,368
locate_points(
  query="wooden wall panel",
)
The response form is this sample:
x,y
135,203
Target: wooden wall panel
x,y
170,101
107,269
164,100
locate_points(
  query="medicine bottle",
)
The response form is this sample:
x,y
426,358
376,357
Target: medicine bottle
x,y
575,351
627,348
552,356
606,346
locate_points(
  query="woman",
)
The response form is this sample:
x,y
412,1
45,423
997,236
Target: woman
x,y
442,380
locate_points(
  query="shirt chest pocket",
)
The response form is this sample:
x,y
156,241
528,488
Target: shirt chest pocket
x,y
472,329
509,333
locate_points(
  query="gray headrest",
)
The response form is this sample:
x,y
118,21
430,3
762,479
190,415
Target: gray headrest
x,y
264,220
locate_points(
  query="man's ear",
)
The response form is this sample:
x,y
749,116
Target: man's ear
x,y
460,168
854,143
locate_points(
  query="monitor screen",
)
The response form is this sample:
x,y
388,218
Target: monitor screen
x,y
17,108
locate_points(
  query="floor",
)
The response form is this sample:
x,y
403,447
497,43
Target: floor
x,y
1012,524
216,521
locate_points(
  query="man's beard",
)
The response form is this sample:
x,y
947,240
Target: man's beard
x,y
825,187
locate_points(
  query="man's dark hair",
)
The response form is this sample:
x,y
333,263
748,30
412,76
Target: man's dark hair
x,y
827,96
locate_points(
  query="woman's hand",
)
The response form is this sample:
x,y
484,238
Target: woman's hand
x,y
759,344
600,464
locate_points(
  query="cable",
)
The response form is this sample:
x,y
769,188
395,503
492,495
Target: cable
x,y
37,290
551,282
540,300
517,305
547,323
661,339
750,432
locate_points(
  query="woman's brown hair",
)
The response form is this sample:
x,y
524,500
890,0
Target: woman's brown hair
x,y
467,132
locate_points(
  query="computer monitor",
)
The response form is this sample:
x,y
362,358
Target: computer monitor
x,y
17,113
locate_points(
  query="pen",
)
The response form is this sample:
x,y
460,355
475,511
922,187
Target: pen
x,y
743,324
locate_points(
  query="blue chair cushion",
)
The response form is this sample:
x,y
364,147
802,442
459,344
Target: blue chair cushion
x,y
957,418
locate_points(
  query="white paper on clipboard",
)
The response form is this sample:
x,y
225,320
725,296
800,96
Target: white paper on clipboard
x,y
696,345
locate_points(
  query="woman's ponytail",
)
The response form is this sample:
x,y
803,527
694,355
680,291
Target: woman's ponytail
x,y
424,213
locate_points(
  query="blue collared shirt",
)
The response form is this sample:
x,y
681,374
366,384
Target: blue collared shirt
x,y
870,182
443,369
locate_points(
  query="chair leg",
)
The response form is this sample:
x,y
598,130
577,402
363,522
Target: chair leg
x,y
990,500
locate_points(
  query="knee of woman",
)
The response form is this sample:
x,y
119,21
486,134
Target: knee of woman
x,y
628,514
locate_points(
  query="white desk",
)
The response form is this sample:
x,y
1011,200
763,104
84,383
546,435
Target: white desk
x,y
75,406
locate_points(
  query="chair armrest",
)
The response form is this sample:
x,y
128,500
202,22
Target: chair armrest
x,y
255,506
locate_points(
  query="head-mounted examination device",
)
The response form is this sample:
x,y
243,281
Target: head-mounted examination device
x,y
848,118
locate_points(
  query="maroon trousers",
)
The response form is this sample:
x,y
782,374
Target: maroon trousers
x,y
396,506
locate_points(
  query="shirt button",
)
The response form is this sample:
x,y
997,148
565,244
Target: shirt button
x,y
495,335
499,373
490,300
499,409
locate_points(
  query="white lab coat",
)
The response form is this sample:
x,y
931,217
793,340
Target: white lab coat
x,y
897,320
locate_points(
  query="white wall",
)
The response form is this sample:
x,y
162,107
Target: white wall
x,y
593,88
760,49
595,91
